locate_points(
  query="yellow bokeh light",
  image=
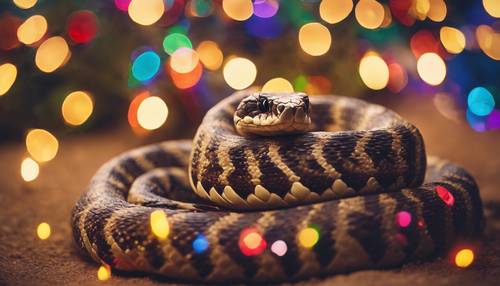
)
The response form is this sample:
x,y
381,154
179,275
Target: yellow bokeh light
x,y
159,224
52,54
464,258
210,55
334,11
29,169
103,273
437,11
43,230
453,39
422,8
152,113
308,237
369,14
431,68
239,10
315,39
41,145
277,84
489,41
146,12
252,240
239,73
77,107
8,74
184,60
25,4
492,7
32,30
374,71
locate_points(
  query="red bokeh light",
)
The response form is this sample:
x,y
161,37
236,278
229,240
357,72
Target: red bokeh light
x,y
251,242
82,26
185,80
8,31
445,195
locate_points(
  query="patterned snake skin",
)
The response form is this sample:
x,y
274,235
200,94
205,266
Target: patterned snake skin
x,y
350,185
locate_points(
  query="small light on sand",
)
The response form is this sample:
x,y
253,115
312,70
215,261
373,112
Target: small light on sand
x,y
29,169
43,230
464,258
103,273
159,224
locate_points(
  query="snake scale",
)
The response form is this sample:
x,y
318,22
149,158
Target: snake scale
x,y
279,163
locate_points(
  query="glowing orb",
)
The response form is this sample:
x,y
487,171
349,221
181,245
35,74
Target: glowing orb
x,y
239,73
25,4
146,65
279,247
265,8
403,218
43,230
122,5
200,244
334,11
308,237
374,71
437,11
52,54
251,242
41,145
480,101
445,195
431,68
369,13
210,55
159,224
277,84
492,7
464,258
8,74
238,10
32,30
488,40
453,39
29,169
103,273
175,41
146,12
82,26
184,60
152,113
77,108
315,39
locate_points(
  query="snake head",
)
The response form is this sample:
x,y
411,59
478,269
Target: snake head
x,y
269,114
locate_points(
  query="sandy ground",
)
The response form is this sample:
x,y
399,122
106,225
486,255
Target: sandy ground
x,y
26,260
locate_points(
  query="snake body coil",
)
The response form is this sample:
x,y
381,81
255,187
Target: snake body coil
x,y
350,178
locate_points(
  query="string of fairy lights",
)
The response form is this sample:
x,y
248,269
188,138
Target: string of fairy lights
x,y
186,65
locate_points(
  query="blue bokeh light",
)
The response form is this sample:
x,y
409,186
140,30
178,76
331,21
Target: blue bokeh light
x,y
200,244
146,66
480,101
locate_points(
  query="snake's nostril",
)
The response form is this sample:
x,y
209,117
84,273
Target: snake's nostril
x,y
281,107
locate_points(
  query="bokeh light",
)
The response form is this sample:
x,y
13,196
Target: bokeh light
x,y
238,10
480,101
200,244
77,107
369,14
374,71
421,8
445,195
29,169
146,66
453,39
184,60
251,242
403,218
423,42
492,7
277,84
398,78
186,80
437,10
41,145
82,26
52,54
200,8
152,113
43,231
334,11
279,247
489,41
159,224
175,41
464,258
103,273
122,4
265,8
210,55
8,74
8,32
146,12
32,30
308,237
315,39
431,68
25,4
239,73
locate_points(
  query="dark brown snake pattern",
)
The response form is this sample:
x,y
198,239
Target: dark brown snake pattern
x,y
349,178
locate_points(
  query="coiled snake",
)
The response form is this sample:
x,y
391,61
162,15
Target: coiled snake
x,y
350,170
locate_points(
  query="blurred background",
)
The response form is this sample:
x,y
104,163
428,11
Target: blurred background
x,y
83,80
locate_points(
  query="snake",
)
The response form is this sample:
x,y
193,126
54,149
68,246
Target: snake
x,y
278,187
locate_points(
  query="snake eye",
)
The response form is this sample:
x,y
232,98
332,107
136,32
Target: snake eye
x,y
263,105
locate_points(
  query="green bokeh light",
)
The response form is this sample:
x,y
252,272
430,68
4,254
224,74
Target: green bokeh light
x,y
174,41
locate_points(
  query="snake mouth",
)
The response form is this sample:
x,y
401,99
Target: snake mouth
x,y
287,120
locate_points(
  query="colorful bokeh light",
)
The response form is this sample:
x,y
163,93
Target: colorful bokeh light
x,y
279,247
452,39
41,145
43,231
186,80
369,14
492,7
403,219
238,10
146,66
25,4
374,71
464,258
239,73
8,74
210,55
315,39
103,273
82,26
488,40
431,68
77,108
32,30
265,8
200,244
174,41
146,12
480,101
152,113
52,54
437,10
251,242
308,237
29,169
334,11
184,60
445,195
159,224
122,4
277,84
